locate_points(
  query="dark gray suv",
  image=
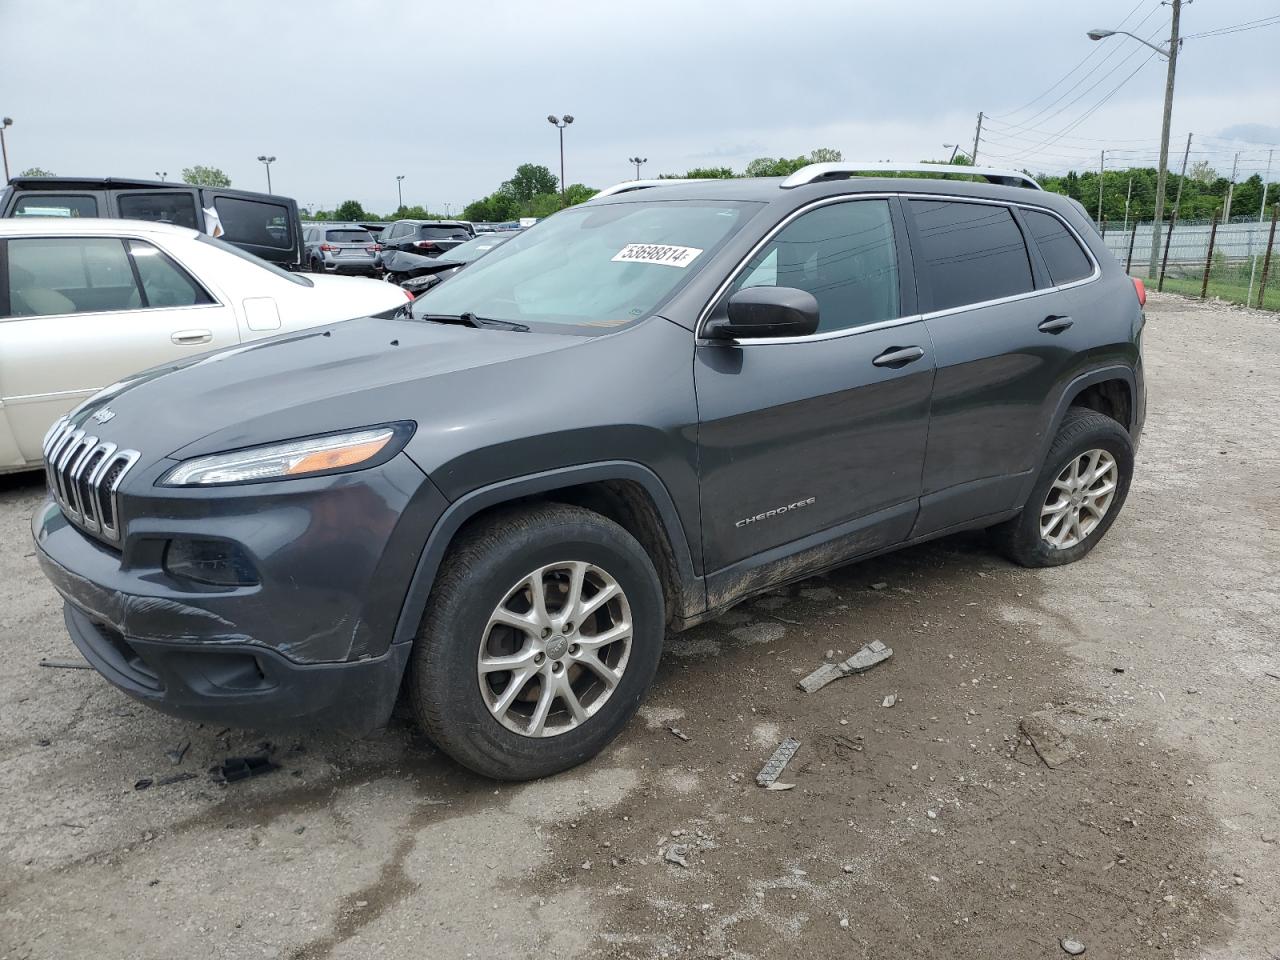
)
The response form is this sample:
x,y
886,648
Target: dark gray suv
x,y
620,423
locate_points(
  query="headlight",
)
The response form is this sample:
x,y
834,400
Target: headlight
x,y
297,458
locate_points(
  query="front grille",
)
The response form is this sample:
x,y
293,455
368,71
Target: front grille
x,y
84,477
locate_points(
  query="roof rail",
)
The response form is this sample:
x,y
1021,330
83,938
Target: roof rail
x,y
823,171
626,186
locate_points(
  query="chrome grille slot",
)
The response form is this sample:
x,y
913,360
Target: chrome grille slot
x,y
84,476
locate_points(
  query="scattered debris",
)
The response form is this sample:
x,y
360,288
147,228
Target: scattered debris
x,y
234,769
677,853
143,783
679,734
44,743
880,585
890,700
781,757
844,922
1073,947
794,623
177,753
1049,742
1117,669
1272,674
869,656
175,778
300,830
780,786
65,664
1268,837
847,868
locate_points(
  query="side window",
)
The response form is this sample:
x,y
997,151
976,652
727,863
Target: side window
x,y
49,276
254,222
55,205
163,281
844,254
1061,251
972,252
173,206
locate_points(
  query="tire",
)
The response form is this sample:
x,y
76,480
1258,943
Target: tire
x,y
1083,431
316,266
487,573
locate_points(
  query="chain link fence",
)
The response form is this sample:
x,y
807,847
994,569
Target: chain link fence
x,y
1237,261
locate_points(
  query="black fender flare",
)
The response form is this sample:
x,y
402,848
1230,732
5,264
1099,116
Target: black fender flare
x,y
1069,392
467,506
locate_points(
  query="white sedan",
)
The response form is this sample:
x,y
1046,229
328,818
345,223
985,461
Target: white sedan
x,y
84,303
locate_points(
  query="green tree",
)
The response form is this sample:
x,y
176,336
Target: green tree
x,y
543,205
205,176
825,155
1201,172
498,207
349,210
577,193
530,180
709,173
37,172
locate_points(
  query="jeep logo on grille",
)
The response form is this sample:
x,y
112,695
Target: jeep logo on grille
x,y
103,415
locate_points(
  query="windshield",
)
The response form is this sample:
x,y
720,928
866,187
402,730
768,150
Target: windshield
x,y
235,251
348,236
466,252
592,266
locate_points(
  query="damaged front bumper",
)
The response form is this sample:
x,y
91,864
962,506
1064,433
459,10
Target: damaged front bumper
x,y
307,643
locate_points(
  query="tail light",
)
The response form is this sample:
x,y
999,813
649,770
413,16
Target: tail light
x,y
328,248
376,248
1140,289
407,293
424,244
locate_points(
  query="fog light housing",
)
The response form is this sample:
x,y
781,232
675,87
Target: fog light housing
x,y
218,563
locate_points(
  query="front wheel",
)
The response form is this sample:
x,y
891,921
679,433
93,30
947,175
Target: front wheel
x,y
1077,496
542,635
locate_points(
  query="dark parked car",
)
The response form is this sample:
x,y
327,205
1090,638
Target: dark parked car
x,y
620,423
340,248
375,227
419,274
430,238
261,223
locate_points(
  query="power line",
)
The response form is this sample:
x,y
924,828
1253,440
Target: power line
x,y
1237,28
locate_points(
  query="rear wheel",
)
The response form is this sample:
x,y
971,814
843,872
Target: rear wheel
x,y
317,266
542,635
1077,496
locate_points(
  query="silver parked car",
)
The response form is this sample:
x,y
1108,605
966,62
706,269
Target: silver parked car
x,y
340,248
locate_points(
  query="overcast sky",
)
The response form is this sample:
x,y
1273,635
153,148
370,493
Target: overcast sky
x,y
454,95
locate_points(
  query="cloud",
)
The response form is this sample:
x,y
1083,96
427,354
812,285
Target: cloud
x,y
1251,133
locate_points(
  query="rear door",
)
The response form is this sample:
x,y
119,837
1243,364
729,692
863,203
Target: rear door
x,y
1003,335
817,441
78,313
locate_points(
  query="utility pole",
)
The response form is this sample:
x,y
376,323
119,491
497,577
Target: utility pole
x,y
5,124
399,192
977,135
1102,167
1182,178
1261,210
1128,195
1231,189
1163,176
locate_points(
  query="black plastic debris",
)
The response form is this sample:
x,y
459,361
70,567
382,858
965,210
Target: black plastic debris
x,y
66,664
143,783
177,753
234,769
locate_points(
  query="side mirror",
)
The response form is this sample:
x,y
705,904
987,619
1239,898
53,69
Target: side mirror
x,y
764,312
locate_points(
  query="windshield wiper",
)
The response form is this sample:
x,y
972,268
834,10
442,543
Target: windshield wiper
x,y
469,319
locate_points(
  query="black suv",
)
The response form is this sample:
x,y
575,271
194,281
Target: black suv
x,y
618,424
429,238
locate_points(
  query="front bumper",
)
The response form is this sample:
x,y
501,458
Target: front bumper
x,y
310,643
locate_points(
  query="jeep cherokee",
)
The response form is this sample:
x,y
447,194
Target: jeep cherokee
x,y
616,425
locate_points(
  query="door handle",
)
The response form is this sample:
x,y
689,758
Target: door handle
x,y
898,357
1054,324
186,338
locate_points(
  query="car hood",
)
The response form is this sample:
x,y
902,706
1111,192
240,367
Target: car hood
x,y
346,375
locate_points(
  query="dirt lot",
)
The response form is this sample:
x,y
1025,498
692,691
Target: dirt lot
x,y
926,829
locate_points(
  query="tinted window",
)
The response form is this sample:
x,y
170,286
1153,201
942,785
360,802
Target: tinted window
x,y
844,255
444,233
348,236
163,281
58,275
971,251
1062,254
171,207
55,205
254,222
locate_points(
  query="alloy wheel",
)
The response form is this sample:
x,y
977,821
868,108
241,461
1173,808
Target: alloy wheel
x,y
1079,498
555,649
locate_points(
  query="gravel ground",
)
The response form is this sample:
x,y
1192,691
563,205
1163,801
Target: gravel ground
x,y
926,829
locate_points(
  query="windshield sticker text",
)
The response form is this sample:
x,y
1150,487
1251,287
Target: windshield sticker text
x,y
662,253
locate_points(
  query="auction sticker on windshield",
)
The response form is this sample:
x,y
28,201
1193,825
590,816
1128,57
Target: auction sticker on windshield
x,y
665,254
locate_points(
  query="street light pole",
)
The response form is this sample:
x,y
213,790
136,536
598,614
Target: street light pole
x,y
399,193
5,123
637,161
560,123
162,175
267,162
1162,177
955,148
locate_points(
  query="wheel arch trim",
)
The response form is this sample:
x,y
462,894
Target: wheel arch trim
x,y
515,488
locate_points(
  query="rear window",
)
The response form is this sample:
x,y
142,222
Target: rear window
x,y
55,205
254,222
1063,257
348,236
972,252
444,233
173,207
